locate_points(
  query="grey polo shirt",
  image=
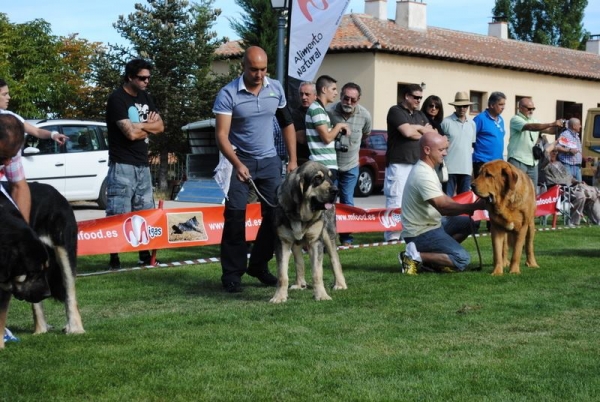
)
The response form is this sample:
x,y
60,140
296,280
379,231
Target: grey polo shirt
x,y
251,116
360,123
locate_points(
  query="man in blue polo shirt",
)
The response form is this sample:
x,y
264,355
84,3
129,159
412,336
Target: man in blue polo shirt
x,y
489,126
244,111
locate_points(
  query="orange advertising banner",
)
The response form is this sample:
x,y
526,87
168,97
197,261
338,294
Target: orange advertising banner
x,y
156,229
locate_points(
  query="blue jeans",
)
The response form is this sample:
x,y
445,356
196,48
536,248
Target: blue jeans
x,y
574,170
440,240
129,188
346,182
457,184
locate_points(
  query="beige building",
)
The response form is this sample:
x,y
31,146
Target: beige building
x,y
382,55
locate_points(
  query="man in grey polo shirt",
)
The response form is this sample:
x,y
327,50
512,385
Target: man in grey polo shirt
x,y
348,110
244,111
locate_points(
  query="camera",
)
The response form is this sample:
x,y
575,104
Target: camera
x,y
339,146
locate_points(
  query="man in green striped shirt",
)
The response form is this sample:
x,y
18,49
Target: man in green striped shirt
x,y
320,135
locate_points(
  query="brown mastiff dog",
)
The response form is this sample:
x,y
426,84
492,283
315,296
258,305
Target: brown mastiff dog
x,y
305,216
511,204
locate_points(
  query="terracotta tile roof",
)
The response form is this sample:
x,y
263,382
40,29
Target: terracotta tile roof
x,y
362,32
229,49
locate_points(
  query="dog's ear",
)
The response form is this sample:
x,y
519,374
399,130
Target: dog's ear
x,y
297,188
510,178
9,256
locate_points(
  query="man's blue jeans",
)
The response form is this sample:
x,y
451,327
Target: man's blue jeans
x,y
346,182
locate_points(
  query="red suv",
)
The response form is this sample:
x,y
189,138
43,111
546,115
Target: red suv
x,y
371,163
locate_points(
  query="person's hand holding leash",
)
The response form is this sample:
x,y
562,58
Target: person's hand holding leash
x,y
242,173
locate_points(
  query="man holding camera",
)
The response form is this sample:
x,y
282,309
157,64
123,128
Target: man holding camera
x,y
320,135
347,110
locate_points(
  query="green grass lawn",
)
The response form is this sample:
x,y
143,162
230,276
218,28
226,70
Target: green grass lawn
x,y
172,334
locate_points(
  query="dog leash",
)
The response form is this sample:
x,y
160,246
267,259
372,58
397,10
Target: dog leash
x,y
476,244
259,193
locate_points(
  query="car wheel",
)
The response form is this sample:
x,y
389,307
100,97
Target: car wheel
x,y
364,185
102,196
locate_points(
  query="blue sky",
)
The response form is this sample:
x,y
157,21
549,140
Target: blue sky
x,y
93,19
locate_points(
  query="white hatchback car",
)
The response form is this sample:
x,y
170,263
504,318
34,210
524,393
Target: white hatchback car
x,y
76,169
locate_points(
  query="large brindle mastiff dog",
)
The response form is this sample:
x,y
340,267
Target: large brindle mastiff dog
x,y
305,216
511,204
38,261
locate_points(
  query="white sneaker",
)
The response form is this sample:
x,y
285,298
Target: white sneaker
x,y
411,251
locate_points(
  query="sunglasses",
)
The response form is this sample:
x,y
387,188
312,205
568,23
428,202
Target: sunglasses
x,y
531,109
433,107
418,98
349,99
143,77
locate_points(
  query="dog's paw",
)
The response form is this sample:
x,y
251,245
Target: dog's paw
x,y
340,286
322,296
300,286
278,299
73,330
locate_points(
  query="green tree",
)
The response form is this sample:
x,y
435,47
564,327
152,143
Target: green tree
x,y
258,27
45,73
176,36
549,22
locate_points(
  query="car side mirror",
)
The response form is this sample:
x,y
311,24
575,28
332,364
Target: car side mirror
x,y
31,151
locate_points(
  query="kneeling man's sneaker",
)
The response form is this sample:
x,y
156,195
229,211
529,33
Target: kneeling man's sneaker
x,y
446,270
409,266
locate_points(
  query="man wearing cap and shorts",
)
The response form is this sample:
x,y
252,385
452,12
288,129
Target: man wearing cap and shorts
x,y
460,131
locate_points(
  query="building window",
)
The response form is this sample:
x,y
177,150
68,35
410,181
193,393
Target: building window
x,y
517,100
477,99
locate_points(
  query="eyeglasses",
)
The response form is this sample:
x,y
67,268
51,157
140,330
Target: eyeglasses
x,y
462,106
433,107
143,77
417,98
349,99
531,109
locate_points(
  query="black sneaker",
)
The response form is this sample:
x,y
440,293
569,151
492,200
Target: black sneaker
x,y
233,287
115,262
265,277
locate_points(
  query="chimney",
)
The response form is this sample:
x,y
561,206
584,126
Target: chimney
x,y
498,28
411,14
376,9
593,44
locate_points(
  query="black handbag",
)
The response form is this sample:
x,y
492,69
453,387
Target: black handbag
x,y
538,148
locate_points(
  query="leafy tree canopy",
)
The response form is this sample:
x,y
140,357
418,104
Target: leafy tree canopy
x,y
549,22
258,27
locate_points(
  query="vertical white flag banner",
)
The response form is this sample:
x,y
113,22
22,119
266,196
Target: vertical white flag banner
x,y
313,24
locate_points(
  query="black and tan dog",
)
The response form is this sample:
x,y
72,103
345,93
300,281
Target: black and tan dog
x,y
39,260
305,216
